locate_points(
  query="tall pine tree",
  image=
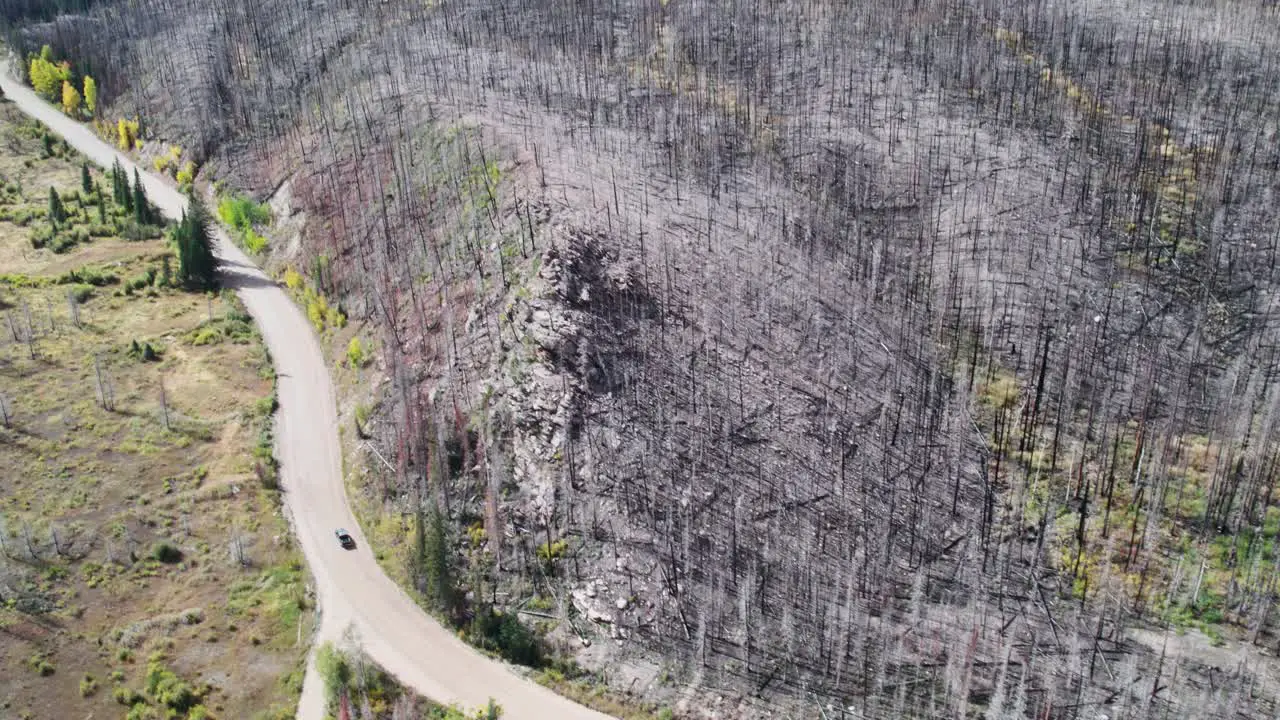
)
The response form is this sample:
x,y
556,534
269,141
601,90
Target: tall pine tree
x,y
57,213
119,185
436,569
102,204
86,181
197,265
141,208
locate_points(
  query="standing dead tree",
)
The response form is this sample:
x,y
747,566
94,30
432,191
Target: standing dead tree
x,y
102,382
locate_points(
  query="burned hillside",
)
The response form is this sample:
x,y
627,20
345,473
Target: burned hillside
x,y
899,358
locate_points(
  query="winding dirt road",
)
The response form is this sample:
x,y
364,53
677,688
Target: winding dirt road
x,y
355,596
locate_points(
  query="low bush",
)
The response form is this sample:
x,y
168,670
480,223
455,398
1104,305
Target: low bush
x,y
242,213
166,552
88,686
504,634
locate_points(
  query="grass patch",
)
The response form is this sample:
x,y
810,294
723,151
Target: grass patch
x,y
242,213
244,217
277,594
362,683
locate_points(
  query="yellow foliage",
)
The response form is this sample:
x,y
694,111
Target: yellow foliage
x,y
127,131
91,95
70,98
355,353
161,163
187,174
317,310
292,279
334,317
47,78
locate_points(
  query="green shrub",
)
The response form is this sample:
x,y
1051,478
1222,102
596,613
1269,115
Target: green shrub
x,y
142,280
355,353
254,244
166,552
506,635
243,213
126,695
334,670
89,275
231,327
129,229
23,216
142,711
81,293
41,236
550,552
60,242
168,689
263,407
40,663
143,352
88,686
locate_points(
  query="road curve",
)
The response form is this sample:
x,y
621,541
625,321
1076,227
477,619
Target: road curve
x,y
356,598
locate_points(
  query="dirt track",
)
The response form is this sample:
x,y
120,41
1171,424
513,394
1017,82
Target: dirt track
x,y
355,596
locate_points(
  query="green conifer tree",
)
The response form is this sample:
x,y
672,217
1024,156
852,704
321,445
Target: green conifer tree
x,y
141,208
437,571
57,212
197,265
119,186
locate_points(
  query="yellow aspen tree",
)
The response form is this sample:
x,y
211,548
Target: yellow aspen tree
x,y
91,95
70,98
44,78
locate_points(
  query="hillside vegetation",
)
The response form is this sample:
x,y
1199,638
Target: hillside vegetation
x,y
145,570
766,359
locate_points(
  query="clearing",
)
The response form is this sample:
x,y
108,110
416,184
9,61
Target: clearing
x,y
145,567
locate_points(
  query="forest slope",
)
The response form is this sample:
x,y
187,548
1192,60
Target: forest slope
x,y
899,357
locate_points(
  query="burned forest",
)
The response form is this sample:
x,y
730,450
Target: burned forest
x,y
909,359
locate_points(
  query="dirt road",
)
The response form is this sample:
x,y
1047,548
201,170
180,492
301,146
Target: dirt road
x,y
356,598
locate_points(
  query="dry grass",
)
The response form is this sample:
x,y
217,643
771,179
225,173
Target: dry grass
x,y
165,540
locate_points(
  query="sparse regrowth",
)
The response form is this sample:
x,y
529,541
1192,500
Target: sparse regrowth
x,y
352,681
131,518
